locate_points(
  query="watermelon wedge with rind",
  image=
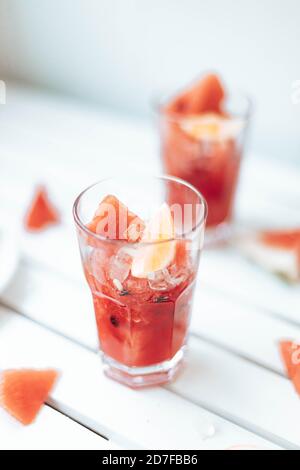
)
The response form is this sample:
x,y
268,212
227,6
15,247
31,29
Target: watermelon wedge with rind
x,y
277,251
288,239
24,391
41,212
290,353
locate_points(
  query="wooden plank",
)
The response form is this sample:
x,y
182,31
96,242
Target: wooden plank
x,y
51,430
130,418
245,330
227,272
262,210
255,398
62,305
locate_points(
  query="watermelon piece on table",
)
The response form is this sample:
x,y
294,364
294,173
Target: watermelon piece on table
x,y
285,241
275,250
41,212
24,391
288,239
290,353
205,96
114,221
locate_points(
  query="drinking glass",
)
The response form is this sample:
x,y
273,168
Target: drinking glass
x,y
193,149
142,321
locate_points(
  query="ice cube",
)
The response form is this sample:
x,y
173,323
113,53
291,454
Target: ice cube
x,y
138,286
178,274
118,285
119,266
160,280
96,264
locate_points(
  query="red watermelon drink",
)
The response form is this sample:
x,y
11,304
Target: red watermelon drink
x,y
202,138
141,271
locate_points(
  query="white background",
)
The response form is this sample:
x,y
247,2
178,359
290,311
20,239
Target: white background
x,y
118,53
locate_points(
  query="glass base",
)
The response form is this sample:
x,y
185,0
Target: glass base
x,y
218,235
140,377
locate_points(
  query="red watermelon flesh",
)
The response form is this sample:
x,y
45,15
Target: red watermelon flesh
x,y
290,353
285,239
205,96
41,212
182,252
296,381
114,221
23,391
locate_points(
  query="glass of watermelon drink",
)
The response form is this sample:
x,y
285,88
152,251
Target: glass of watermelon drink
x,y
141,271
202,135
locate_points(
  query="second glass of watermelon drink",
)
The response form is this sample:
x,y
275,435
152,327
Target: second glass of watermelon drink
x,y
141,265
202,133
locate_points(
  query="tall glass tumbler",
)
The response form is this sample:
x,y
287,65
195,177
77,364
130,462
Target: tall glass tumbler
x,y
142,316
206,150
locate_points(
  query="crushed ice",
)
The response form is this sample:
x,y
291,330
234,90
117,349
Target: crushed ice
x,y
119,266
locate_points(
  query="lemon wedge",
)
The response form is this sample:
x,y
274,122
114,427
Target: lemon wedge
x,y
211,126
156,256
205,126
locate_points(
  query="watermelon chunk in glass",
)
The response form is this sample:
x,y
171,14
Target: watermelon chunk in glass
x,y
201,142
204,96
114,221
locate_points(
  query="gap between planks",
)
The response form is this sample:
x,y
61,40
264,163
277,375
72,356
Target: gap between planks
x,y
51,404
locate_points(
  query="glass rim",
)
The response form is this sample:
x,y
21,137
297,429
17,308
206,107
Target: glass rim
x,y
101,238
161,99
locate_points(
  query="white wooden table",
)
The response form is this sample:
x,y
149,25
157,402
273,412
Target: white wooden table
x,y
234,378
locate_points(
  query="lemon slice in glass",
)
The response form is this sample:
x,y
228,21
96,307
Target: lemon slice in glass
x,y
159,233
